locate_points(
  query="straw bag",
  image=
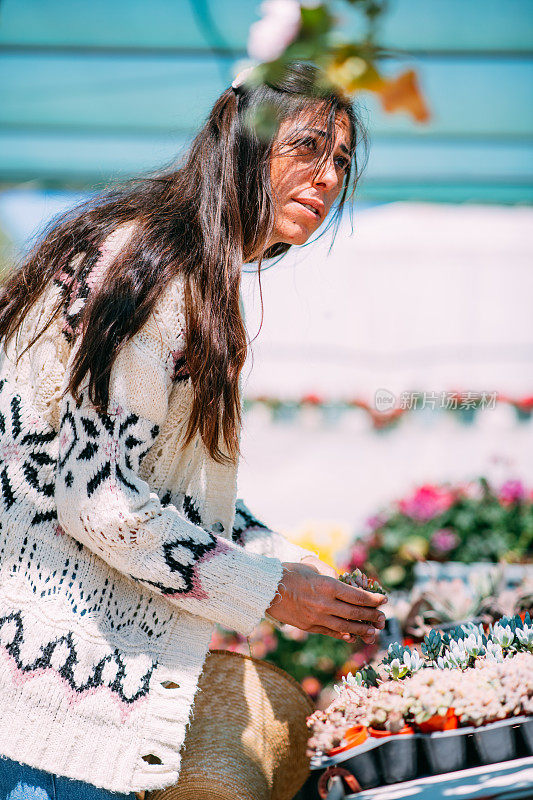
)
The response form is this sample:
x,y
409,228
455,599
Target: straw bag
x,y
247,737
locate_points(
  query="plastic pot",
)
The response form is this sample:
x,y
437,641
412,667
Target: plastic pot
x,y
398,758
526,729
361,760
439,722
377,733
353,736
495,742
365,767
445,751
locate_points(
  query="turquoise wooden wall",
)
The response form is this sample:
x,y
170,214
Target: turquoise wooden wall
x,y
96,89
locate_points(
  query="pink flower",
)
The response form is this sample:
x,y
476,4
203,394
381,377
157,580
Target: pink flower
x,y
374,522
259,649
358,556
512,491
427,502
295,634
277,28
444,540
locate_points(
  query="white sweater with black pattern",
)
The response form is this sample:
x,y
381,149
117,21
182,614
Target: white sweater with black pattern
x,y
119,549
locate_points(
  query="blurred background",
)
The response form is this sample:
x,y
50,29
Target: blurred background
x,y
393,362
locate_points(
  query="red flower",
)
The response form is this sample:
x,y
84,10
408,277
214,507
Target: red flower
x,y
525,403
311,685
311,400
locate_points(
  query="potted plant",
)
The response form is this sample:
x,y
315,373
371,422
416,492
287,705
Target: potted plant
x,y
386,715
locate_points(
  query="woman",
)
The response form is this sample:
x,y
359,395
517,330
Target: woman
x,y
120,415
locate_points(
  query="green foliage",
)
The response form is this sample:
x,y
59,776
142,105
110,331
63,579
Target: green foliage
x,y
445,523
318,656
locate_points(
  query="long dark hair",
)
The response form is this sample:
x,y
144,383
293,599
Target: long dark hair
x,y
202,218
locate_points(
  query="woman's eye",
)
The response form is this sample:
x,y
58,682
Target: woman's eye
x,y
343,163
309,142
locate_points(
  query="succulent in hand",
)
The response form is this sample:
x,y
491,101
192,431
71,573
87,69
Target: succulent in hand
x,y
362,581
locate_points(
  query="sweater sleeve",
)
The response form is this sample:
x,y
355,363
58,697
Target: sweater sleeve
x,y
255,537
104,503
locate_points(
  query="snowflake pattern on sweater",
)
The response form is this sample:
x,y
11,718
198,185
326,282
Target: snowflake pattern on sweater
x,y
23,455
111,448
114,564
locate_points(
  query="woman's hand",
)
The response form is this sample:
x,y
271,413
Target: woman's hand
x,y
319,566
318,603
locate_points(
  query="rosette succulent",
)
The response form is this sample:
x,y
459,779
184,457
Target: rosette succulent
x,y
362,581
433,644
488,691
366,676
462,647
503,634
401,662
525,637
387,709
494,652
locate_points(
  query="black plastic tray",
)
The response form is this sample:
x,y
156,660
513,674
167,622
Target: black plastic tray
x,y
403,757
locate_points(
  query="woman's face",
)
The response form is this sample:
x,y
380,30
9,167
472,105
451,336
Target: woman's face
x,y
303,199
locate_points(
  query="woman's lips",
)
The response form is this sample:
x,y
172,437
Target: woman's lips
x,y
312,214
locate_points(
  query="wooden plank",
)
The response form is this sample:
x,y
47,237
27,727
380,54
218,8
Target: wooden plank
x,y
468,97
455,25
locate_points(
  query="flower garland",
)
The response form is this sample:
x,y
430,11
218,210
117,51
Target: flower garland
x,y
464,404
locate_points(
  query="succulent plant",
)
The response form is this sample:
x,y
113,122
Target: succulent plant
x,y
525,637
359,579
502,634
387,710
475,642
456,655
433,644
429,693
366,677
401,662
490,690
494,652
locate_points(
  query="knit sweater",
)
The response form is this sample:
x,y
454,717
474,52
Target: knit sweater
x,y
120,547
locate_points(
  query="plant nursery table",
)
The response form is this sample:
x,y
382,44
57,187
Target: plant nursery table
x,y
508,780
492,761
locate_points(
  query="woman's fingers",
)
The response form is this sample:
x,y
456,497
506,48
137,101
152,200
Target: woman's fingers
x,y
318,603
367,634
351,612
359,597
346,626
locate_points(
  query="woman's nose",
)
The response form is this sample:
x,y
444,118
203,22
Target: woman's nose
x,y
327,176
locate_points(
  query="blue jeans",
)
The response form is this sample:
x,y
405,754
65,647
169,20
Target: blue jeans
x,y
19,782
